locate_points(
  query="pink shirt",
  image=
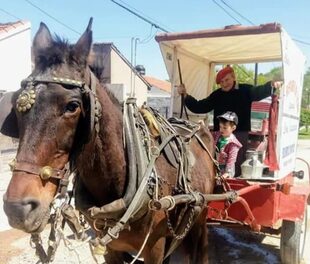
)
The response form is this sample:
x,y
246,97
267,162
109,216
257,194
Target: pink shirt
x,y
227,155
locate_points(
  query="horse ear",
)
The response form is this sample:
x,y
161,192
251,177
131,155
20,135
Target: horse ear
x,y
82,47
42,40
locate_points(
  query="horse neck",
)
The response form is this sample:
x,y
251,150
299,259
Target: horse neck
x,y
102,165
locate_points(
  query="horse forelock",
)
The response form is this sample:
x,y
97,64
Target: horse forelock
x,y
60,52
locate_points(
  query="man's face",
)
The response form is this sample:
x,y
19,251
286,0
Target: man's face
x,y
227,82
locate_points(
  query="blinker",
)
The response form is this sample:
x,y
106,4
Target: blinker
x,y
46,172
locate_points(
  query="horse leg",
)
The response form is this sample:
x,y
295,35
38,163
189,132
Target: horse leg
x,y
199,244
180,255
155,254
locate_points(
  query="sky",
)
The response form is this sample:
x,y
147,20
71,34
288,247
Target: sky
x,y
112,23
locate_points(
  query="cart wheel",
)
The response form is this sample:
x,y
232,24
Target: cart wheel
x,y
293,239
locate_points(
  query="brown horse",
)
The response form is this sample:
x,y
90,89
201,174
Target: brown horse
x,y
59,120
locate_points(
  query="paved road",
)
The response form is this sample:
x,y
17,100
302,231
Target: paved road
x,y
226,246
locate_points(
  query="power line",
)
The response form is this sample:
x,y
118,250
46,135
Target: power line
x,y
145,15
237,12
149,37
302,42
140,16
6,12
226,12
52,17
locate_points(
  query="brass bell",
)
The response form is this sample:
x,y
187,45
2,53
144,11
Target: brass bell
x,y
12,164
46,172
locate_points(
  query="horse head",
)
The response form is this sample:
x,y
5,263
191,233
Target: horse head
x,y
46,113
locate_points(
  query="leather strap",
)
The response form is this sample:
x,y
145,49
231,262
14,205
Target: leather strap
x,y
35,169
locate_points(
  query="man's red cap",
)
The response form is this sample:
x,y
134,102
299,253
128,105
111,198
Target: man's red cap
x,y
222,73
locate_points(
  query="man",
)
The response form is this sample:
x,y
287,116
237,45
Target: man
x,y
233,97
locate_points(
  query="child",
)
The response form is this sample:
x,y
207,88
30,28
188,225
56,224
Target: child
x,y
227,144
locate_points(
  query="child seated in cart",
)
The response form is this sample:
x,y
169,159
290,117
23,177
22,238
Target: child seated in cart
x,y
227,144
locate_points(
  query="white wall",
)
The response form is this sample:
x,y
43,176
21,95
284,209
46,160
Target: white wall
x,y
15,56
121,74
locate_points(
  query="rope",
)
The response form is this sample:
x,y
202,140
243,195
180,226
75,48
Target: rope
x,y
144,242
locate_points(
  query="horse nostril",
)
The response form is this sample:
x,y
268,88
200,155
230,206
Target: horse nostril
x,y
30,204
23,214
18,212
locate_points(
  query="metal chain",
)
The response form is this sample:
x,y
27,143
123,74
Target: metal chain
x,y
187,227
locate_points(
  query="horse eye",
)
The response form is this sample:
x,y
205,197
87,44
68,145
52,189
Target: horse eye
x,y
72,106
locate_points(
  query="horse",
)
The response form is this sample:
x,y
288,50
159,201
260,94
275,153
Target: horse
x,y
63,115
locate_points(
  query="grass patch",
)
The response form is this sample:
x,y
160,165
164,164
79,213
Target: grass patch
x,y
303,134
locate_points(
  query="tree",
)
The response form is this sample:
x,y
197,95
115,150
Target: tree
x,y
306,90
274,74
243,74
305,118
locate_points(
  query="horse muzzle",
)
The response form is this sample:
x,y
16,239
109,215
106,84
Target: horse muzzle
x,y
27,214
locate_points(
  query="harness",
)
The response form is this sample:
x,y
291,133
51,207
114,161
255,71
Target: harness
x,y
143,193
151,136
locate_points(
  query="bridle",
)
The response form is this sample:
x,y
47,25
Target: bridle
x,y
64,212
27,98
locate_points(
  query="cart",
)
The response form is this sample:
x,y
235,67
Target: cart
x,y
269,199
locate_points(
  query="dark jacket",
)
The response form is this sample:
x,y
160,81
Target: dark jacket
x,y
238,100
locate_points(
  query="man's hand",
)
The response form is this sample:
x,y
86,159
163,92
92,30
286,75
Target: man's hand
x,y
276,84
181,89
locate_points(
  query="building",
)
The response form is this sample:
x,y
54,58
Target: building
x,y
15,54
159,95
15,65
117,73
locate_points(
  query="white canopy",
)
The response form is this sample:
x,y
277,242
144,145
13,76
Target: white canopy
x,y
233,44
199,51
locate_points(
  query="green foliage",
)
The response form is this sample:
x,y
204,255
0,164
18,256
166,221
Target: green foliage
x,y
304,121
305,117
245,75
304,134
275,74
306,90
